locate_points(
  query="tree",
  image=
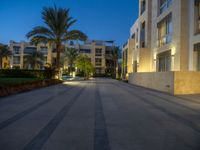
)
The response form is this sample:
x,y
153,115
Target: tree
x,y
4,52
56,30
71,55
114,57
83,63
35,60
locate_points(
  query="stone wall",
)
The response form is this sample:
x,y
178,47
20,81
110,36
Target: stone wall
x,y
162,81
177,83
186,82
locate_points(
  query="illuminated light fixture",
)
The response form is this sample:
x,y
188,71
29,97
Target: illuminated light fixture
x,y
173,51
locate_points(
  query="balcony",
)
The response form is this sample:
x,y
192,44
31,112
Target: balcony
x,y
165,5
164,40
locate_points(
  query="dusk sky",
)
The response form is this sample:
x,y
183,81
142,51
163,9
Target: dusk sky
x,y
99,19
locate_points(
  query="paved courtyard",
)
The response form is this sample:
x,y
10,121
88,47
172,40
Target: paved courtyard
x,y
100,114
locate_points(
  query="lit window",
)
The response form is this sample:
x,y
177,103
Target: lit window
x,y
165,31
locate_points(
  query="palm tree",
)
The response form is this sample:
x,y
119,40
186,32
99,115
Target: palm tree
x,y
71,55
57,29
114,57
4,52
35,60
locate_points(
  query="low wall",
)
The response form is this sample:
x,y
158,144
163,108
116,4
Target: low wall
x,y
170,82
186,83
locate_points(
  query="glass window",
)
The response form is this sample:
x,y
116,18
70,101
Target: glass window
x,y
44,50
98,61
16,49
198,60
164,4
29,50
142,35
165,31
143,6
85,50
197,16
164,61
16,60
98,52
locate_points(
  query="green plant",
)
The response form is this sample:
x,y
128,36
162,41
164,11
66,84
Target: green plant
x,y
56,31
114,57
22,73
84,64
71,55
35,60
4,52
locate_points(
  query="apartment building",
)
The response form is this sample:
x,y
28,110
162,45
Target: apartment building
x,y
168,53
99,53
21,49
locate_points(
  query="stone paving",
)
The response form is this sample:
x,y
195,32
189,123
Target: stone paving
x,y
100,114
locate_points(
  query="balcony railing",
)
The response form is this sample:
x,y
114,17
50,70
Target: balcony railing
x,y
98,54
165,5
164,40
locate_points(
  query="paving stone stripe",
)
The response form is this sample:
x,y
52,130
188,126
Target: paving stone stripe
x,y
101,140
176,117
159,92
22,114
40,139
181,105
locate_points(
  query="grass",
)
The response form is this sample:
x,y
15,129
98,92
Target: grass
x,y
16,81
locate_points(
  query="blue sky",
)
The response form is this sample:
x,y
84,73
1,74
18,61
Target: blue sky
x,y
99,19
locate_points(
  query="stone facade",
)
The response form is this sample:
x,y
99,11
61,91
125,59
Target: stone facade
x,y
171,42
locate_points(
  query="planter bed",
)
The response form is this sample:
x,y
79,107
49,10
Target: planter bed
x,y
9,89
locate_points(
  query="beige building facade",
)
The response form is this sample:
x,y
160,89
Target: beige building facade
x,y
21,49
169,41
99,53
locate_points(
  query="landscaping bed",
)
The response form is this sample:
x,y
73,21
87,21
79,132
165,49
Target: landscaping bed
x,y
10,86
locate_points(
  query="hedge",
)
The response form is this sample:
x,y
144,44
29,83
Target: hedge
x,y
22,73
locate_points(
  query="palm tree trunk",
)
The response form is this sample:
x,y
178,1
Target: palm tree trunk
x,y
58,56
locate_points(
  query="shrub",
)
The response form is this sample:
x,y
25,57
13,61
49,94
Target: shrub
x,y
22,73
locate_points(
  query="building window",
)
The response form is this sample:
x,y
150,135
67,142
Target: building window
x,y
98,61
136,35
16,60
133,36
142,35
16,49
44,50
163,5
98,70
98,52
197,16
165,31
135,66
164,61
85,51
198,60
197,50
30,50
143,6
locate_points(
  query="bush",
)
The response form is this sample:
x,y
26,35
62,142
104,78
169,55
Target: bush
x,y
22,73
